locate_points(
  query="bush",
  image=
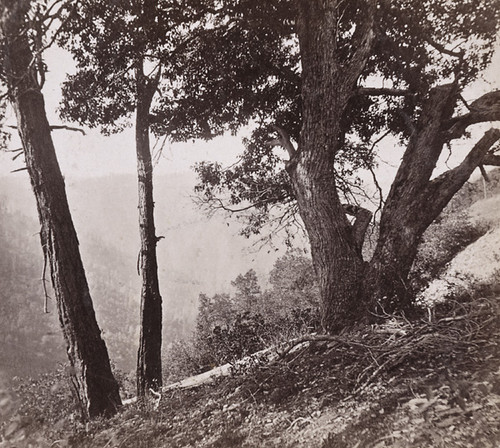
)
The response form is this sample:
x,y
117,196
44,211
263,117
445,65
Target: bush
x,y
44,406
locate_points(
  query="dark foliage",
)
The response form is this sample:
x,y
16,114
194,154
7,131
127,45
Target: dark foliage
x,y
245,69
230,327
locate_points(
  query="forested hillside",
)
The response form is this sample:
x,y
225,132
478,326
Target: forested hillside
x,y
31,340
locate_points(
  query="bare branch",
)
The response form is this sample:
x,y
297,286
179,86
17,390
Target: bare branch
x,y
484,173
442,49
485,108
19,154
67,128
56,127
374,176
44,284
24,168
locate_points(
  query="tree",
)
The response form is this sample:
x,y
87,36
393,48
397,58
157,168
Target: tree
x,y
119,71
329,79
22,72
247,291
294,283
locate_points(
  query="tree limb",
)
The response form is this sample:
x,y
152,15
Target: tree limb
x,y
485,108
56,127
442,49
441,190
363,39
67,128
361,223
491,159
24,168
484,173
410,125
283,141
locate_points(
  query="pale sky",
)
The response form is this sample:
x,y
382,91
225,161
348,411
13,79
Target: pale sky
x,y
97,155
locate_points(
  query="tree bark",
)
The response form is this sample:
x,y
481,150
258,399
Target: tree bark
x,y
351,289
415,201
149,371
94,384
327,87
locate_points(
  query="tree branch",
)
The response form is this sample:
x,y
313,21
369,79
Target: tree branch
x,y
441,190
484,173
491,159
56,127
67,128
283,141
363,39
442,49
361,223
485,108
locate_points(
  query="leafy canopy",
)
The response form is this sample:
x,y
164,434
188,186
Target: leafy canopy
x,y
244,69
110,41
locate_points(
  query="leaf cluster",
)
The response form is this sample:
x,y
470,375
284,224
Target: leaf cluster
x,y
110,42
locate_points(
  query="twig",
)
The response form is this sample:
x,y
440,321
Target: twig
x,y
24,168
54,127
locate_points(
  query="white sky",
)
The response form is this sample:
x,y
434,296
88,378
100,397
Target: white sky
x,y
97,155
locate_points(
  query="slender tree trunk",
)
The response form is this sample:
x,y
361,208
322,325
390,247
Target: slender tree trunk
x,y
93,381
149,372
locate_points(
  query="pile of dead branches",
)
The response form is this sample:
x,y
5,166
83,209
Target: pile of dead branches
x,y
466,332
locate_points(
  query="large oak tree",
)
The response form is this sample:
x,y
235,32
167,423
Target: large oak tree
x,y
329,78
22,74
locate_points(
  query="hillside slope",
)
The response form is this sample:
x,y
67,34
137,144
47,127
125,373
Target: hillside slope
x,y
476,266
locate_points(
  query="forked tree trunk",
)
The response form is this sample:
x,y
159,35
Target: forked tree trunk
x,y
149,371
93,381
351,289
414,202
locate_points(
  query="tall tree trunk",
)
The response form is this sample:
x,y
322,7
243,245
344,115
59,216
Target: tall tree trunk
x,y
149,372
93,381
326,90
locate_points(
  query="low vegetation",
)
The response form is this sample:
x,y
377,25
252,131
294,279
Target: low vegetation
x,y
400,383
